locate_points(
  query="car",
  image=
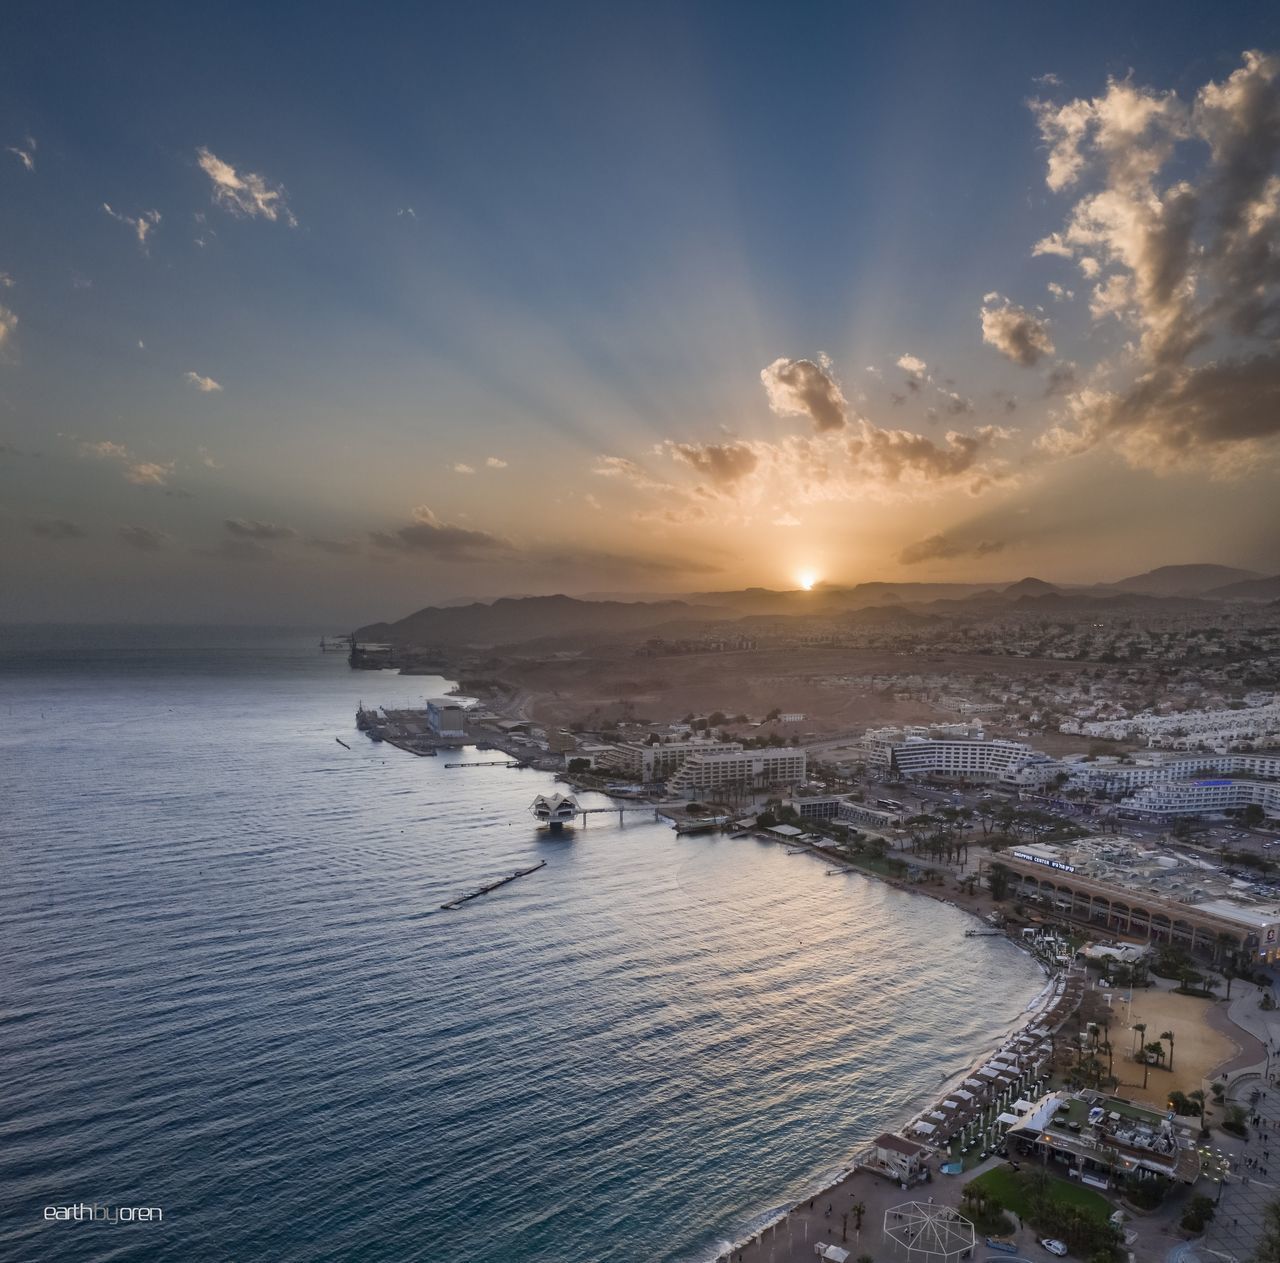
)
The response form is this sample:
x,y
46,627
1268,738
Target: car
x,y
1054,1247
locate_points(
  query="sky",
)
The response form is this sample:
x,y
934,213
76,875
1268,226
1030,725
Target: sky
x,y
320,313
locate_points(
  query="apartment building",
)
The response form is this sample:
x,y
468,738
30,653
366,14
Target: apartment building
x,y
650,763
722,768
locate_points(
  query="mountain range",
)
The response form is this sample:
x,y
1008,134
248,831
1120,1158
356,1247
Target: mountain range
x,y
515,620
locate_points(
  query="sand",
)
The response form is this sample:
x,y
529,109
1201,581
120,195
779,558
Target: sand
x,y
1200,1047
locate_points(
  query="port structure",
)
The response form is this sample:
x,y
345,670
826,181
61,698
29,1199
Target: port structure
x,y
558,810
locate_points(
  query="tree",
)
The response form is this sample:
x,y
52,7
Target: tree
x,y
1169,1036
857,1210
998,880
1268,1248
1139,1029
1253,815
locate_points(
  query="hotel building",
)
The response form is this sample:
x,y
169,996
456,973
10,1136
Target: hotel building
x,y
710,770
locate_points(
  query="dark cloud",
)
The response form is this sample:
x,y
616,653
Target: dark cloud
x,y
722,463
1061,379
1170,415
58,528
428,535
803,388
944,547
250,528
1014,331
1189,262
144,538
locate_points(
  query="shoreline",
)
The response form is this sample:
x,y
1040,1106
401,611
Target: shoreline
x,y
1053,992
1036,1008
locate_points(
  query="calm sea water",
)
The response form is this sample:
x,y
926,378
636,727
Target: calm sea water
x,y
226,989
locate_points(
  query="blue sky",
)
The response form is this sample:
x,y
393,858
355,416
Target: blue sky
x,y
556,246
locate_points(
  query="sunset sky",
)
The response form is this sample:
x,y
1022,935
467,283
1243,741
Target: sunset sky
x,y
320,313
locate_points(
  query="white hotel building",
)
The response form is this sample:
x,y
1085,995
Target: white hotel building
x,y
709,770
649,763
1008,762
1206,797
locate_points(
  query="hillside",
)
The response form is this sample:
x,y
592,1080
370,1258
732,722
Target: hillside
x,y
1248,590
510,620
1195,580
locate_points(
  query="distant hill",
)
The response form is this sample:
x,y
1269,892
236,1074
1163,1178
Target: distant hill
x,y
513,620
1248,590
1183,580
1029,587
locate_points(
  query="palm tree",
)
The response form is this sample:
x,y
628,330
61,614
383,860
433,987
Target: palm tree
x,y
857,1210
1199,1098
1169,1036
1140,1028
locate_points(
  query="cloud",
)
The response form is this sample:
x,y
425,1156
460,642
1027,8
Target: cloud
x,y
858,460
206,458
722,463
787,519
495,462
1014,331
1187,263
943,547
592,502
25,153
104,450
245,194
803,388
1061,380
8,323
143,225
1060,292
912,364
149,473
142,473
251,528
428,535
206,385
144,538
956,405
58,529
1220,415
460,468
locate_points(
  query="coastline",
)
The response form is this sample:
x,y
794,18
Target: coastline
x,y
755,1226
1033,1013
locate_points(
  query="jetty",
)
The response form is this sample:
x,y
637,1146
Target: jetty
x,y
493,885
491,763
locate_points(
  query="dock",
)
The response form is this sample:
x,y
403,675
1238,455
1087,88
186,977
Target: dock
x,y
493,885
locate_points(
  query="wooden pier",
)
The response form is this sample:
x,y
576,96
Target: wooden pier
x,y
493,885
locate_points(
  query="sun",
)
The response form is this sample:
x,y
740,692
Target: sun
x,y
806,579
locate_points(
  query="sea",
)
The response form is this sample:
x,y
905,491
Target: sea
x,y
228,991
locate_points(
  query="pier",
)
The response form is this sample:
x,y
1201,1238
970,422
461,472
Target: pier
x,y
493,885
558,810
491,763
